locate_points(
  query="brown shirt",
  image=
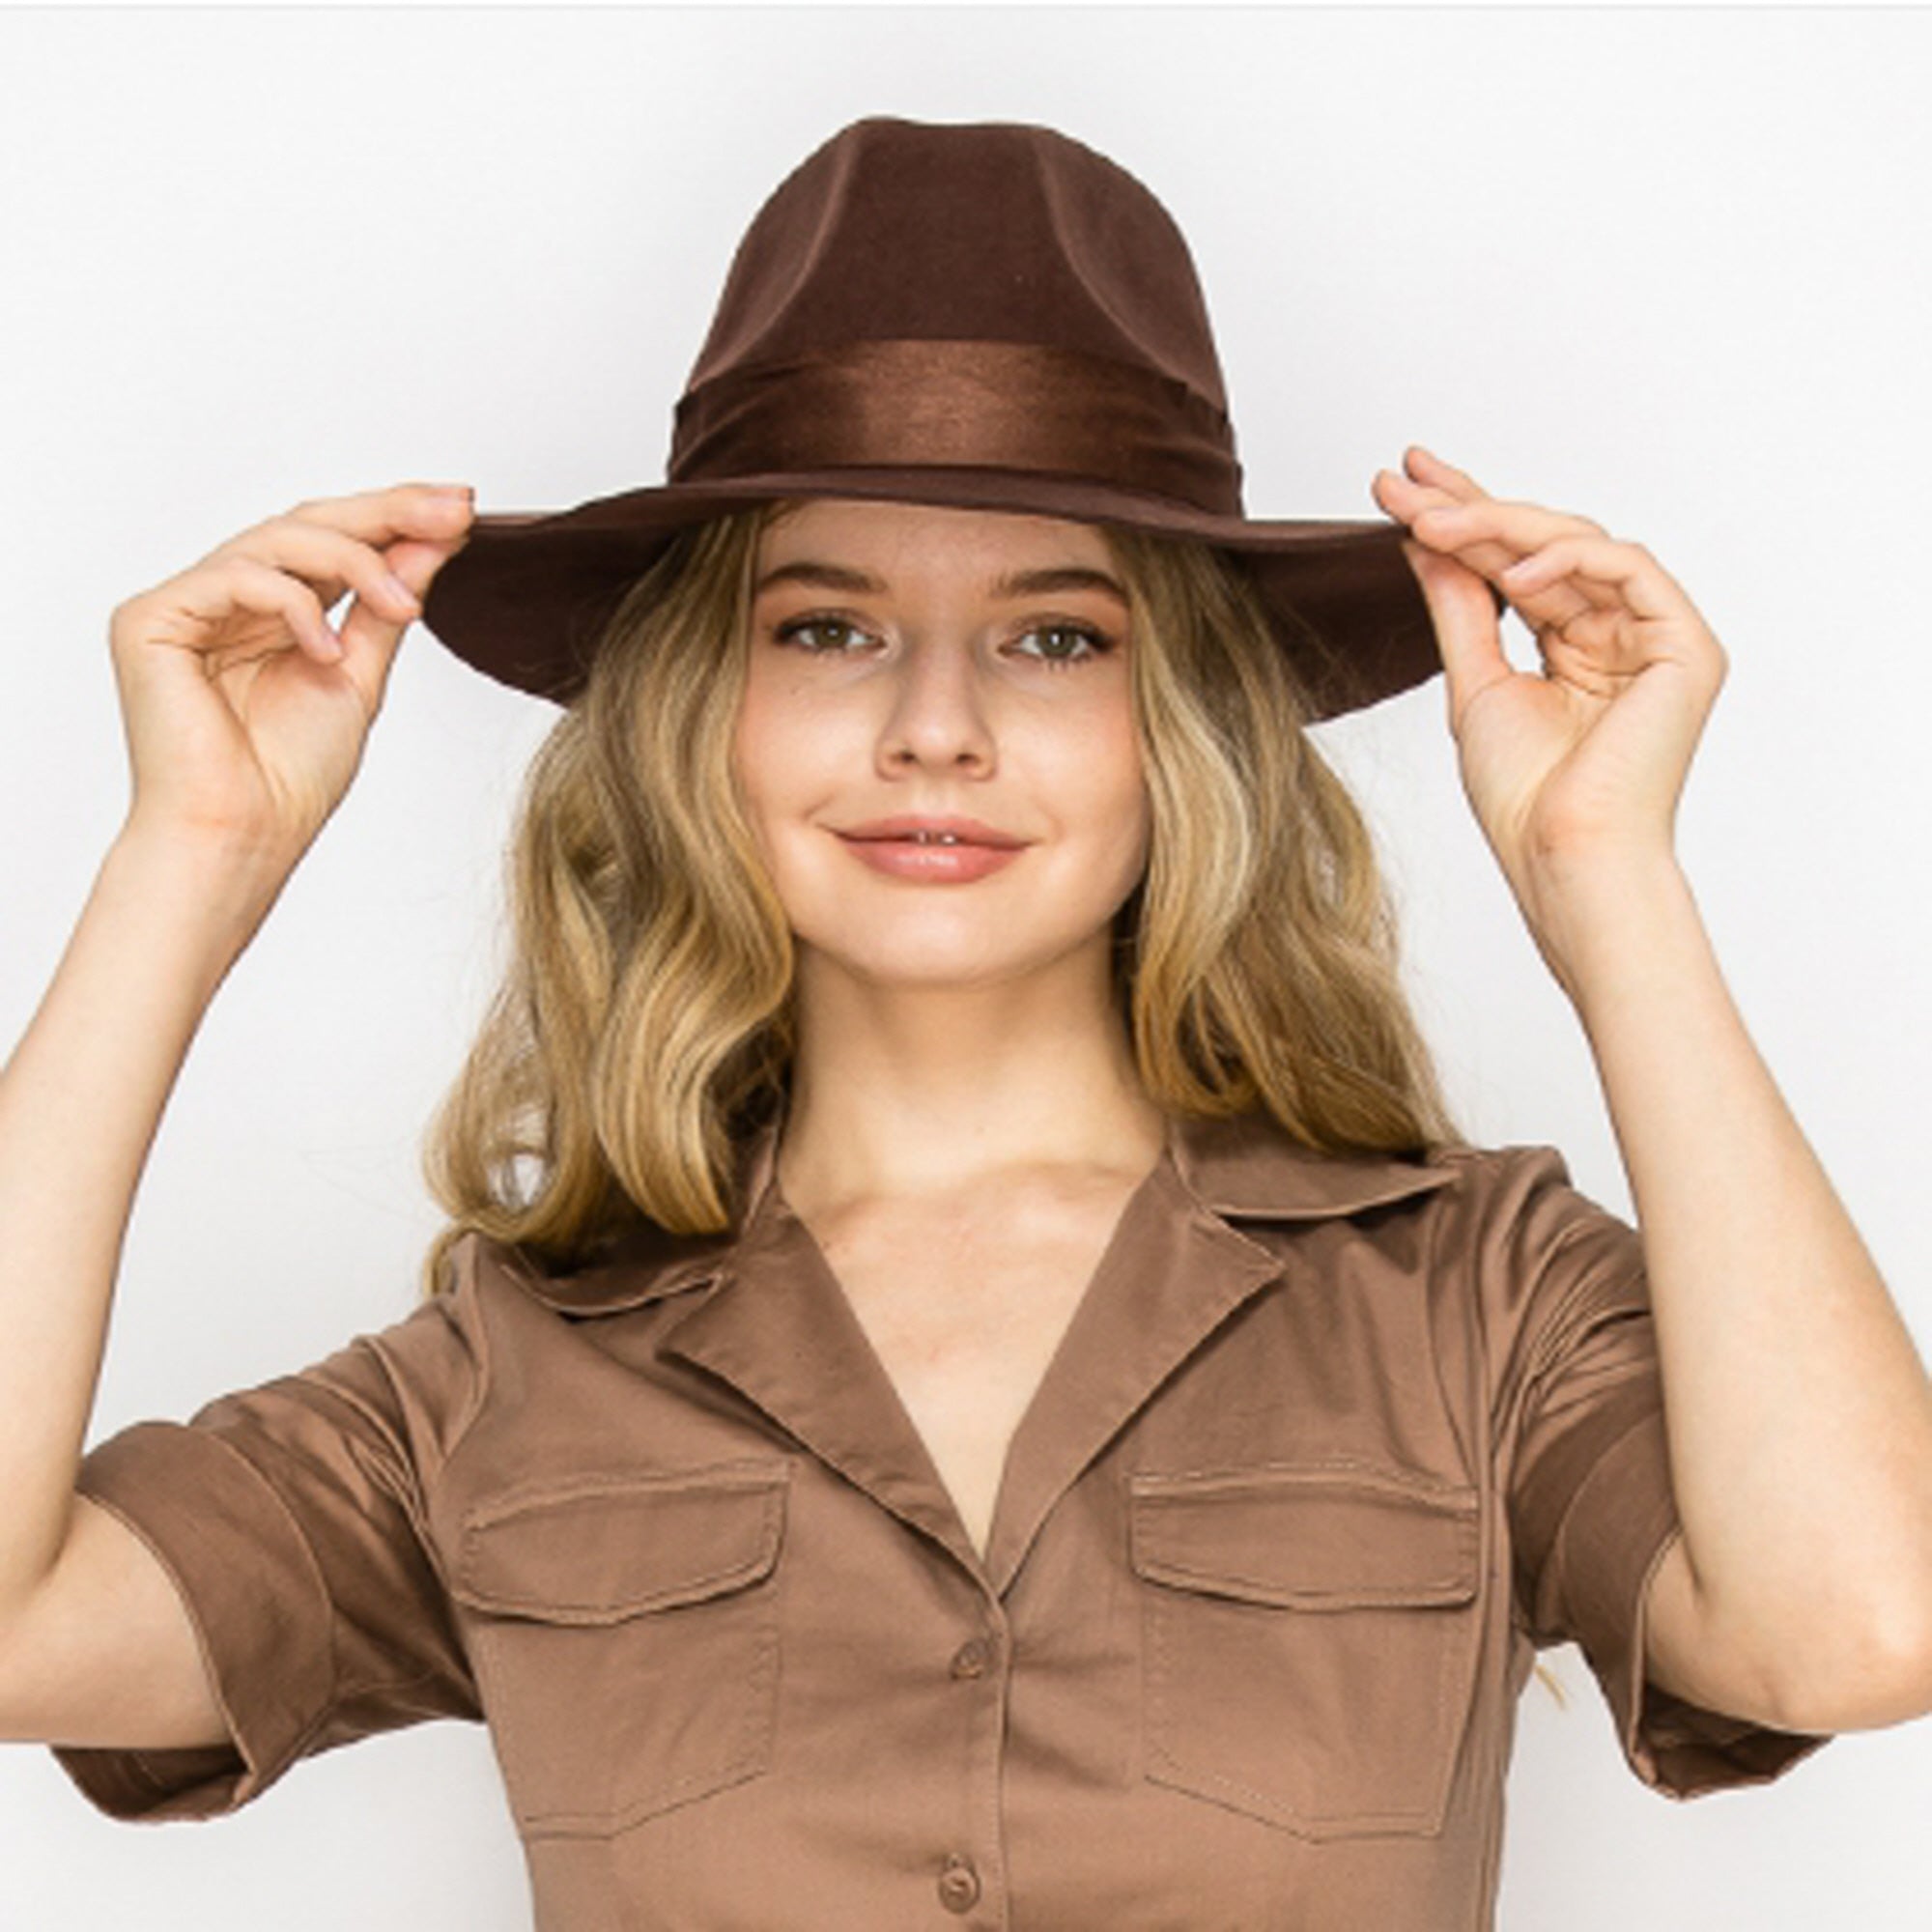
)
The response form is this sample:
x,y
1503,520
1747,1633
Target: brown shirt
x,y
1328,1449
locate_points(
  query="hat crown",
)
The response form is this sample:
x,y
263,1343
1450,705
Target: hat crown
x,y
984,231
981,315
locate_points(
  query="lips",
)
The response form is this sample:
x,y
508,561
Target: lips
x,y
933,861
925,838
909,828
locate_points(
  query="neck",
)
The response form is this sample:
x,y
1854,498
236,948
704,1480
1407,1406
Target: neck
x,y
927,1098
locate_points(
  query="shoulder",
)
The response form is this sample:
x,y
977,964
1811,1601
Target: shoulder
x,y
1523,1191
1517,1217
1524,1199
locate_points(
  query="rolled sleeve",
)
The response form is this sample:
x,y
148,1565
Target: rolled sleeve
x,y
260,1607
292,1520
1589,1497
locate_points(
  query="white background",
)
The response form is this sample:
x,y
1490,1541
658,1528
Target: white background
x,y
1667,269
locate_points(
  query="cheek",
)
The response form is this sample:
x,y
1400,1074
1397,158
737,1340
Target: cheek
x,y
763,768
791,763
747,750
772,747
1113,782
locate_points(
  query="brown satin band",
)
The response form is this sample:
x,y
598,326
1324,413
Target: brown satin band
x,y
1002,405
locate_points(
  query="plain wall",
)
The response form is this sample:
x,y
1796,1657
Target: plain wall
x,y
1666,269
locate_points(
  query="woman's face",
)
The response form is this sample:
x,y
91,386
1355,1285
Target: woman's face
x,y
906,659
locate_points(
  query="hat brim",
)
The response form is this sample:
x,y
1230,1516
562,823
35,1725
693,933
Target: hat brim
x,y
526,598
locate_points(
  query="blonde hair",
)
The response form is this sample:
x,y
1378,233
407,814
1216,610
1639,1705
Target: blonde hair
x,y
645,1016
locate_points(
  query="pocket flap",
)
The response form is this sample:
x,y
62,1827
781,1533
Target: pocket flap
x,y
1324,1537
594,1550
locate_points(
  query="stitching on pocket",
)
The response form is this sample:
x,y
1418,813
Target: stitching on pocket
x,y
1166,1656
509,1659
472,1588
752,1756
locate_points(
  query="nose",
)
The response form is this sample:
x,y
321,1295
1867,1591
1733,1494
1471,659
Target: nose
x,y
937,711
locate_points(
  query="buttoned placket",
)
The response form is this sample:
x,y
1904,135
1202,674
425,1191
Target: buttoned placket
x,y
778,1327
774,1322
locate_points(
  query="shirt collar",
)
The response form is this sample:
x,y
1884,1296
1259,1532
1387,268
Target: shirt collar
x,y
1244,1166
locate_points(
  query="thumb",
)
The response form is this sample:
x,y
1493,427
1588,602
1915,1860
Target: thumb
x,y
1464,612
370,636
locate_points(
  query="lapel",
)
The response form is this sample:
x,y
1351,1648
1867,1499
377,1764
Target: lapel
x,y
775,1323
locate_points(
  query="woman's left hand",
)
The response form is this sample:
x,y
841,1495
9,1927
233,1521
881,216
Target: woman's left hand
x,y
1578,767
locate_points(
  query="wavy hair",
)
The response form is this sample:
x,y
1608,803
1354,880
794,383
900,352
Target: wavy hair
x,y
1256,959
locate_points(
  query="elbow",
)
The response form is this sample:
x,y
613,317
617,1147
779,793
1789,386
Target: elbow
x,y
1882,1679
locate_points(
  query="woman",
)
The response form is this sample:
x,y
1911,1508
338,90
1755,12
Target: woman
x,y
973,1381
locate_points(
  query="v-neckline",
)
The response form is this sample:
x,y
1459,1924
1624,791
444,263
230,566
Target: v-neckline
x,y
936,1462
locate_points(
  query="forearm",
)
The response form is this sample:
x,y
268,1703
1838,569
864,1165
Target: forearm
x,y
81,1098
1798,1415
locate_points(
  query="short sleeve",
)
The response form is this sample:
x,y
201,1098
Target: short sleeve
x,y
293,1518
1591,1511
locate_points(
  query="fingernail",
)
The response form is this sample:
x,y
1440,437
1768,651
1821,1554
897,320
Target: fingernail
x,y
400,591
453,489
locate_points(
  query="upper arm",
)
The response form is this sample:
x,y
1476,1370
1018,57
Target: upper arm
x,y
280,1541
1599,1554
1688,1652
104,1652
1686,1657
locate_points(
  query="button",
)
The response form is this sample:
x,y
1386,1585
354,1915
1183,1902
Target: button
x,y
971,1659
958,1885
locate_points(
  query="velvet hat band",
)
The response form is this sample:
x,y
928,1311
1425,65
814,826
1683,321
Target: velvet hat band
x,y
1005,405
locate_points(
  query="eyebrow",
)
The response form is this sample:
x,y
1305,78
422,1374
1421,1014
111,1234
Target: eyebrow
x,y
1015,584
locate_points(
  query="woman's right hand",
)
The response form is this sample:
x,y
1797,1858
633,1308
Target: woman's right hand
x,y
243,727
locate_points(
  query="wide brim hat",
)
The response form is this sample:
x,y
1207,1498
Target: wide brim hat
x,y
983,316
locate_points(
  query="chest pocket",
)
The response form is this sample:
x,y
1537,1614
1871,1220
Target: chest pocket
x,y
1309,1640
624,1630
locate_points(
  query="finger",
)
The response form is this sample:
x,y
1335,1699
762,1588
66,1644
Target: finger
x,y
231,583
1486,533
1492,536
1453,491
381,515
1425,467
331,560
1403,496
417,561
1626,569
1523,525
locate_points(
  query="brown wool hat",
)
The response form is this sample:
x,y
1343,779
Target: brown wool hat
x,y
988,315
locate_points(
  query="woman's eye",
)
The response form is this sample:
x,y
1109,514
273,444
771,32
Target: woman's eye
x,y
796,629
797,632
1098,644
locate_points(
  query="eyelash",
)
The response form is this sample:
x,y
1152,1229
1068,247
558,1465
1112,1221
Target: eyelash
x,y
1100,644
